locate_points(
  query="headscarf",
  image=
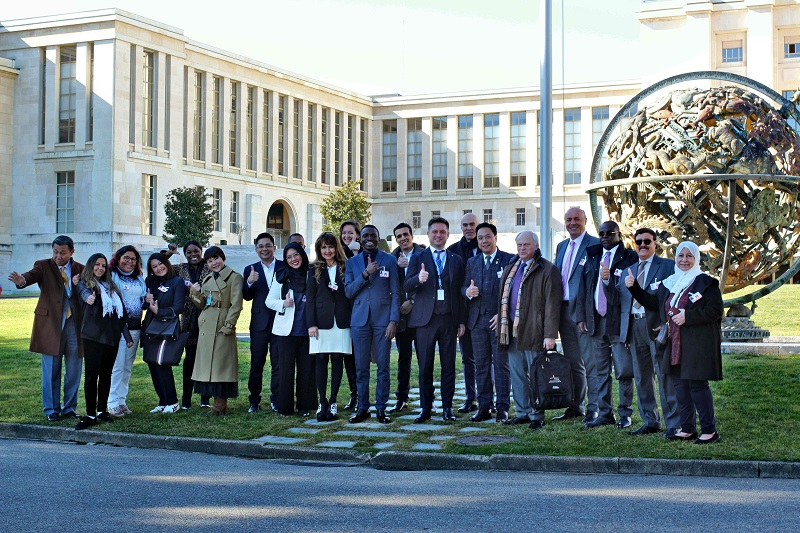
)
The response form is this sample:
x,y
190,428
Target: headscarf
x,y
681,280
293,278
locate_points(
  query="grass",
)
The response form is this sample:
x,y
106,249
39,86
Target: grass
x,y
757,405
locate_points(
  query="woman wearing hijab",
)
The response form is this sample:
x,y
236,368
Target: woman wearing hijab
x,y
216,366
103,322
692,302
290,333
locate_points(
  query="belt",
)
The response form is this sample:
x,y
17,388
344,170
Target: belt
x,y
637,316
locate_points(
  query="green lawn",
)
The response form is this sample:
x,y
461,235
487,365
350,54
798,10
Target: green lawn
x,y
757,404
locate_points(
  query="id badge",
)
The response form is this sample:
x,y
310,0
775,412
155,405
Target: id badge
x,y
208,300
500,273
440,295
384,273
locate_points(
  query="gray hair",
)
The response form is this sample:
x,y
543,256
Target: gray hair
x,y
528,232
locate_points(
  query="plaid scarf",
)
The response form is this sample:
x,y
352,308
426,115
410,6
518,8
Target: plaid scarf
x,y
503,335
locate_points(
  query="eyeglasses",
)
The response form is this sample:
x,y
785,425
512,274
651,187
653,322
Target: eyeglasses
x,y
646,242
263,246
607,233
292,257
128,258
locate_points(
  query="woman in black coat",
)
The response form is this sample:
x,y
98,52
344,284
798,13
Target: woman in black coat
x,y
328,318
692,302
349,235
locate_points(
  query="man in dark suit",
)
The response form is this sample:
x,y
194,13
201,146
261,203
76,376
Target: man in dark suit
x,y
403,235
636,329
481,289
599,318
57,326
466,248
258,278
371,281
436,276
570,259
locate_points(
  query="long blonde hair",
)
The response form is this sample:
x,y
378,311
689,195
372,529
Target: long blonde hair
x,y
319,262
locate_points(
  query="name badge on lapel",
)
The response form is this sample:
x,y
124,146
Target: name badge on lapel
x,y
440,295
694,296
655,285
332,286
500,273
383,272
582,261
163,288
618,272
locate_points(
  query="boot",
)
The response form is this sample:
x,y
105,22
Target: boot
x,y
220,406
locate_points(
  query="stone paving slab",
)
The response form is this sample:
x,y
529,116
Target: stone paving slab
x,y
304,431
274,439
366,425
471,429
383,445
384,434
426,446
423,427
442,437
337,444
313,422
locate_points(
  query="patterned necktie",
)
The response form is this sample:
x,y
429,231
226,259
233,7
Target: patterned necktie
x,y
565,268
488,262
439,261
640,279
66,288
602,304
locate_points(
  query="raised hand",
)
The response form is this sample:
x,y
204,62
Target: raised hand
x,y
90,299
423,274
472,290
75,279
149,297
402,261
372,266
253,277
629,279
16,278
605,273
196,286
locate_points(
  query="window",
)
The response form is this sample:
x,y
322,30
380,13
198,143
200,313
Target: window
x,y
324,152
43,96
518,149
491,151
627,117
199,127
296,138
90,94
350,127
337,152
265,141
148,204
217,209
275,216
310,144
487,215
436,213
362,151
732,51
414,155
599,124
791,47
520,216
791,121
466,211
216,121
234,211
416,219
389,167
149,98
67,95
233,160
572,146
439,160
465,152
65,202
250,129
281,135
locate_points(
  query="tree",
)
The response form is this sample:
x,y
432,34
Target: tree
x,y
346,203
190,215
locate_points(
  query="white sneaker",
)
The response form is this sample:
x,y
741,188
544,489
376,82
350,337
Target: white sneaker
x,y
125,408
117,412
171,409
319,408
158,409
334,409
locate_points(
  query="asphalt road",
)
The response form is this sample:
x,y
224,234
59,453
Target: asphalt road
x,y
54,486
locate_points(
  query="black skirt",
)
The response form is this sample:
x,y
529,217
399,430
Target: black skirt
x,y
217,389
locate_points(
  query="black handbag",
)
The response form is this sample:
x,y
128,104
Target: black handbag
x,y
662,338
551,374
165,352
168,327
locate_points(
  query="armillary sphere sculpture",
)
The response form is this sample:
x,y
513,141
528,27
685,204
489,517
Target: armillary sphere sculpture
x,y
718,166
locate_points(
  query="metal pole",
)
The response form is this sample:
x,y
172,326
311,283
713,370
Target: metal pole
x,y
546,126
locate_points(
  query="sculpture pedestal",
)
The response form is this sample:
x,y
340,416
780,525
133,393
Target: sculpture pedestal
x,y
741,329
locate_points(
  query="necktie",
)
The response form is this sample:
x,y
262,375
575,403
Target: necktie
x,y
66,288
602,304
439,265
565,269
640,279
488,262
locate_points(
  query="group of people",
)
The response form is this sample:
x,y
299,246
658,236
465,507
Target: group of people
x,y
605,301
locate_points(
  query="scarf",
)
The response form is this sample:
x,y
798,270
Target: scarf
x,y
504,335
293,278
681,280
111,300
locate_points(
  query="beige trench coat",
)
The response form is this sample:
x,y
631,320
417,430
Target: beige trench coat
x,y
217,355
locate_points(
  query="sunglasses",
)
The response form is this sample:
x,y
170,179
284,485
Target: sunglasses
x,y
607,233
646,242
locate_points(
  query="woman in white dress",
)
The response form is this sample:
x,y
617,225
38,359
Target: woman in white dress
x,y
328,319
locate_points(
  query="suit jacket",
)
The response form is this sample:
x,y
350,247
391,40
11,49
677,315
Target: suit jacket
x,y
585,304
425,293
48,317
401,274
376,300
660,268
466,250
261,316
488,282
323,304
577,269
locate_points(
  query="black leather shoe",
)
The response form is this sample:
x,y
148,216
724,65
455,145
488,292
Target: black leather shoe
x,y
399,406
303,413
714,438
537,424
360,416
53,417
423,416
645,430
468,406
353,401
601,421
481,416
273,407
85,422
71,414
105,417
517,420
502,416
567,415
589,417
447,414
624,422
382,418
669,434
254,408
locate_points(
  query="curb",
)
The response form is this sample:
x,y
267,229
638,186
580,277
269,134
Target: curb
x,y
415,461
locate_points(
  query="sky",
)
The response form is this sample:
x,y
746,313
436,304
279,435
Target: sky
x,y
399,46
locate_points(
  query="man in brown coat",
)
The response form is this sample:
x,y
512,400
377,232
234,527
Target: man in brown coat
x,y
57,326
528,319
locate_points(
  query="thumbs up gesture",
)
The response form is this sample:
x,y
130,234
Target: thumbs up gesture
x,y
253,277
629,279
605,273
472,290
423,274
90,299
372,266
149,297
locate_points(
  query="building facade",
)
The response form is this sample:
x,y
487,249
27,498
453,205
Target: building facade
x,y
104,112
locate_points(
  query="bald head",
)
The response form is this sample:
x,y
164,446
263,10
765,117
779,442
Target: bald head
x,y
468,223
575,222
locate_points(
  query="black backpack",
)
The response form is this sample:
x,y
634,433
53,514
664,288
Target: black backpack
x,y
551,376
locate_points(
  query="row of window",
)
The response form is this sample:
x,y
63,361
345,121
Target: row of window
x,y
488,216
733,50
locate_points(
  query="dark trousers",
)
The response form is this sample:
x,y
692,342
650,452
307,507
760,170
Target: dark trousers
x,y
367,340
350,369
293,354
488,357
164,383
643,371
189,356
694,396
607,354
577,348
259,346
98,364
337,367
468,364
442,330
404,340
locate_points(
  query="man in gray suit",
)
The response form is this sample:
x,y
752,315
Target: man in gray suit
x,y
637,329
570,258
